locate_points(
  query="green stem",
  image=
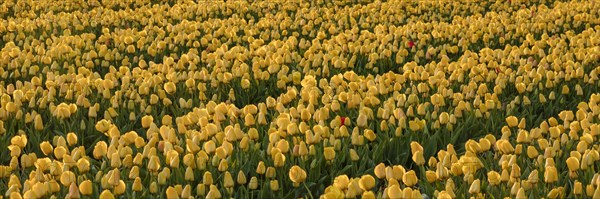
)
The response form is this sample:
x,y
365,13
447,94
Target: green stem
x,y
308,190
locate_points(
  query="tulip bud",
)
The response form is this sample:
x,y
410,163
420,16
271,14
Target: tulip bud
x,y
85,188
366,182
106,194
410,178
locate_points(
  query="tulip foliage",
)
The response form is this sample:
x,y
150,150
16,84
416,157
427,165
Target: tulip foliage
x,y
299,99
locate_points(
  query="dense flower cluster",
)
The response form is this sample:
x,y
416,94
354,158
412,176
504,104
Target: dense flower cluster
x,y
299,99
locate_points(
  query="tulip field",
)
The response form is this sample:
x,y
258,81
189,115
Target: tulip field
x,y
300,99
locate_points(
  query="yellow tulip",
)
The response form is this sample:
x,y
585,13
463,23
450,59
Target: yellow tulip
x,y
207,178
410,178
512,121
394,191
475,187
573,163
85,187
241,178
253,184
366,182
46,148
380,171
170,87
418,158
329,153
578,188
297,175
228,180
368,195
38,123
171,193
147,121
213,192
341,182
520,87
106,194
274,185
550,175
362,120
431,176
137,184
493,178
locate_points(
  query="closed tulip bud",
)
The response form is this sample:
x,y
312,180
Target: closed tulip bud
x,y
228,180
297,175
512,121
520,87
189,174
578,188
106,194
71,139
46,148
207,178
261,168
279,160
137,184
274,185
253,183
153,187
380,171
550,175
444,118
394,191
329,153
368,195
341,182
532,152
120,188
366,182
172,193
410,178
418,158
186,192
85,188
67,178
354,155
415,146
431,176
100,150
572,163
170,87
38,123
83,165
147,121
362,120
521,194
241,178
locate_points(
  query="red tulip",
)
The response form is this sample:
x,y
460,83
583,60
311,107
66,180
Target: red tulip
x,y
342,120
411,44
